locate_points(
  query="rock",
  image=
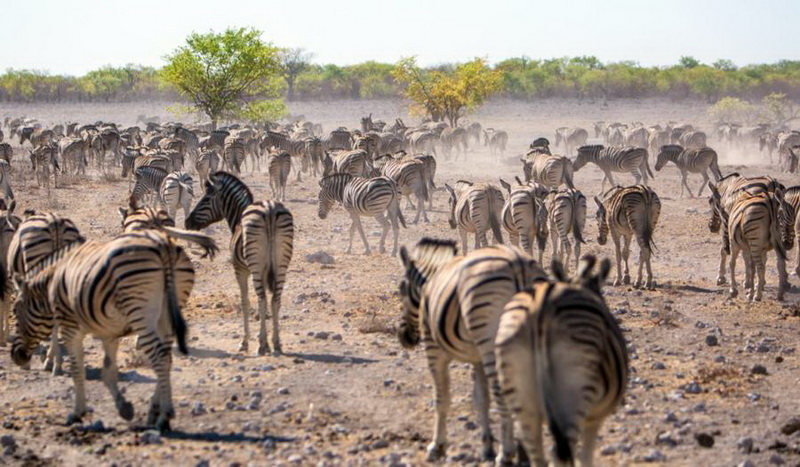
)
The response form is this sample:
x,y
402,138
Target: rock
x,y
8,441
776,460
608,450
336,337
150,437
198,409
380,444
670,417
321,335
758,370
763,348
388,382
659,366
791,427
747,463
470,425
745,445
320,257
97,426
295,459
720,359
283,391
666,439
711,340
699,408
693,388
704,439
655,456
268,444
754,396
778,359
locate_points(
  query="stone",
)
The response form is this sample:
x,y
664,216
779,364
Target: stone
x,y
655,456
320,257
776,460
150,437
283,391
745,445
704,439
608,450
321,335
791,427
711,340
693,388
659,366
758,370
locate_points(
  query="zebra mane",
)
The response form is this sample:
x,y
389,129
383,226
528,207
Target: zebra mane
x,y
591,147
730,175
671,148
52,259
429,255
227,179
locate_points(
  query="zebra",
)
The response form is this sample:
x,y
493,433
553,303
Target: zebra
x,y
637,137
190,139
571,137
233,153
422,141
73,150
540,145
690,160
207,163
6,152
9,226
615,136
657,139
755,224
313,148
148,180
353,162
566,214
524,217
626,212
454,138
475,208
338,139
496,140
693,139
136,284
133,159
279,164
562,357
363,197
548,170
410,177
177,190
261,246
615,159
42,157
731,187
474,132
792,198
36,237
786,159
5,180
453,306
599,128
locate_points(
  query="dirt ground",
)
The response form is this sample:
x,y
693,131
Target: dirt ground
x,y
346,393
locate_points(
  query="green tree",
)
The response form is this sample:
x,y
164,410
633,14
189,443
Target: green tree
x,y
688,62
293,62
448,95
731,110
724,65
224,74
780,109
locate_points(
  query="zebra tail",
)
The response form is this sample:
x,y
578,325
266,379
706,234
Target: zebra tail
x,y
647,165
425,193
576,229
715,169
400,216
494,222
176,318
567,175
775,234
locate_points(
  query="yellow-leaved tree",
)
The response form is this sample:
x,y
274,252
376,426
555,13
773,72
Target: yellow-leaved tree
x,y
447,95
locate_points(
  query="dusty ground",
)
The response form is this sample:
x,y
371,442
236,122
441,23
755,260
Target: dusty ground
x,y
355,397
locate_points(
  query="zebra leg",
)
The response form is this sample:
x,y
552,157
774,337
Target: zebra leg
x,y
441,380
159,351
565,251
626,253
637,177
421,203
734,253
110,378
357,224
588,441
618,256
275,311
480,398
263,346
5,323
385,226
797,266
241,279
463,234
577,253
704,173
74,341
783,278
54,358
722,258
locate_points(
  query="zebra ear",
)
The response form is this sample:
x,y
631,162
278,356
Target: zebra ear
x,y
11,206
505,185
599,204
558,271
123,213
406,260
516,179
450,190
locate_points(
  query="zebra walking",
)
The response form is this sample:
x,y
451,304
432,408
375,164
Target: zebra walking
x,y
615,159
626,212
5,180
353,162
690,160
363,197
524,217
177,190
42,157
135,284
792,198
571,137
207,163
452,305
233,153
147,182
566,214
262,243
475,208
279,164
410,177
562,358
755,223
9,225
496,140
548,170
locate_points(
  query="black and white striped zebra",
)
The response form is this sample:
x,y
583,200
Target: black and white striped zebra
x,y
548,170
623,213
177,191
207,163
73,153
637,137
496,140
135,284
37,237
6,152
278,165
5,180
364,197
339,139
147,183
475,208
524,217
454,139
754,220
792,198
566,215
314,149
690,160
411,179
9,225
429,167
233,154
261,246
693,139
353,162
453,306
562,359
42,159
615,159
571,138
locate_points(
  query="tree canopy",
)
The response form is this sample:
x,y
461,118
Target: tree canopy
x,y
232,74
443,94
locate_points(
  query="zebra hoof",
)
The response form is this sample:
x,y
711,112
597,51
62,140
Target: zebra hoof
x,y
733,294
721,280
263,349
435,452
651,285
627,279
638,284
73,418
163,425
126,410
617,282
243,347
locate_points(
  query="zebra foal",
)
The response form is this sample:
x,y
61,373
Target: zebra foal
x,y
690,160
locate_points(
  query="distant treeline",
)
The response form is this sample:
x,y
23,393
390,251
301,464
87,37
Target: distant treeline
x,y
523,78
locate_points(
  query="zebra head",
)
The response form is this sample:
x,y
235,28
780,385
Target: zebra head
x,y
331,191
452,202
226,197
602,224
33,324
667,153
718,214
585,155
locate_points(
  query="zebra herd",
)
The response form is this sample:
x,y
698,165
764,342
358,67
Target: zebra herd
x,y
542,344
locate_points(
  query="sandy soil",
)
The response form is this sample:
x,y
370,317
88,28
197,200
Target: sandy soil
x,y
346,393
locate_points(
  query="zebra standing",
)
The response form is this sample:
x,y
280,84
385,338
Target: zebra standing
x,y
147,181
353,162
693,139
524,217
690,160
233,153
562,357
73,150
6,152
363,197
207,163
5,180
279,164
410,177
548,170
261,246
313,148
453,306
474,208
571,137
626,212
135,284
792,198
637,137
566,214
42,157
9,225
496,140
177,190
454,138
622,159
36,237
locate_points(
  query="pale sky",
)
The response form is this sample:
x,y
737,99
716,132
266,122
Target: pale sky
x,y
72,37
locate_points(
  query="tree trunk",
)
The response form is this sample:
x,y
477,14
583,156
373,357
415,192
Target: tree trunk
x,y
290,90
